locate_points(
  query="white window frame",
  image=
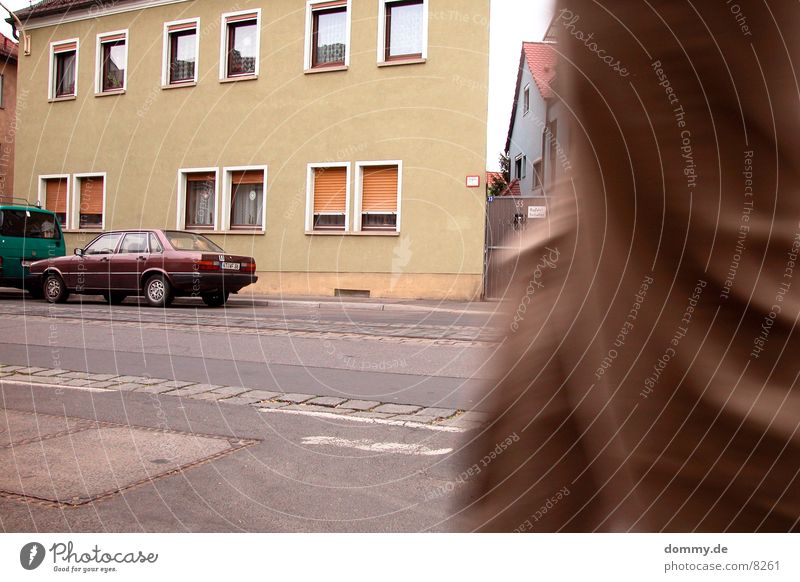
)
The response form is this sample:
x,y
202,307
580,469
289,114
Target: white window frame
x,y
526,107
308,51
227,197
382,32
223,45
98,73
310,196
51,86
523,161
181,218
42,195
539,160
165,84
75,191
359,192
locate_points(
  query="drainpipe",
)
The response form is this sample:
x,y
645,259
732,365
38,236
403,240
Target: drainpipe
x,y
18,26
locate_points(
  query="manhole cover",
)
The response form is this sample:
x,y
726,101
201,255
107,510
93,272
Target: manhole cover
x,y
98,460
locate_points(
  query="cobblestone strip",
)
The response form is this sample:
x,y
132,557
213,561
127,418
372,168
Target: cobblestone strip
x,y
241,396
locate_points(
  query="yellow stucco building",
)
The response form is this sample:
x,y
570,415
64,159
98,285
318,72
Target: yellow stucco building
x,y
335,141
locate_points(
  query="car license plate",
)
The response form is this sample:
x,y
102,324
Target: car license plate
x,y
231,266
26,264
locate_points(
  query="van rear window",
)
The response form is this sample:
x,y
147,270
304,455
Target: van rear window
x,y
28,224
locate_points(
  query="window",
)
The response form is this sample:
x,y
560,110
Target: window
x,y
181,53
552,137
329,194
526,100
378,196
28,224
538,175
133,243
112,62
198,193
104,245
63,69
90,203
402,30
240,44
519,167
53,195
327,34
245,188
155,244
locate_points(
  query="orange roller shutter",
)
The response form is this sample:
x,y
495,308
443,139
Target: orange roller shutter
x,y
56,195
184,26
242,17
92,195
379,189
248,177
201,177
330,190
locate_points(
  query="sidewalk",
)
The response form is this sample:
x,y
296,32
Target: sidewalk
x,y
419,305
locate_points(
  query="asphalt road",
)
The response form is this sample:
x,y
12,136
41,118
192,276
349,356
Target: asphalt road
x,y
432,359
281,473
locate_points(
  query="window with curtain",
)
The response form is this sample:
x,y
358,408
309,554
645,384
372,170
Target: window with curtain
x,y
330,198
379,191
242,45
91,202
329,34
56,198
247,199
182,57
200,201
113,51
64,68
404,30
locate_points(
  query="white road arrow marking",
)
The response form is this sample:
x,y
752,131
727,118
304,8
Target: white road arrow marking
x,y
376,447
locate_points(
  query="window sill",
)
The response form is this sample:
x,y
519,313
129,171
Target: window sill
x,y
399,62
179,85
242,232
377,233
110,93
315,70
60,99
239,78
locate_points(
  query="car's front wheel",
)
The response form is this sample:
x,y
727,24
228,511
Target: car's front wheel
x,y
158,291
54,289
217,299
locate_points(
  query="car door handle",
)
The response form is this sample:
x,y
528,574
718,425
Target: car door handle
x,y
104,260
141,258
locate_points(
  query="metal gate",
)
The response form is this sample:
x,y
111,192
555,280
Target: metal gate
x,y
507,220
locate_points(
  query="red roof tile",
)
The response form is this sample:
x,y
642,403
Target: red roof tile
x,y
541,58
8,48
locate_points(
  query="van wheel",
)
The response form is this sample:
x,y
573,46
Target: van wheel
x,y
54,289
217,299
158,291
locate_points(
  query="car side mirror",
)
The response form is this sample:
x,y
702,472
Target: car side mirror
x,y
79,252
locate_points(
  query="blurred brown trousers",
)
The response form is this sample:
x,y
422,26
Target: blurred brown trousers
x,y
653,373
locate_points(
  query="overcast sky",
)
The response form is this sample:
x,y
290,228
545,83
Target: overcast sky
x,y
513,21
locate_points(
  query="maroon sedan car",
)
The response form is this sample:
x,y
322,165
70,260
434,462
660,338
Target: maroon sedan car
x,y
158,264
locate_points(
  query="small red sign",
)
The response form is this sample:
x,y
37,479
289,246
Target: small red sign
x,y
473,181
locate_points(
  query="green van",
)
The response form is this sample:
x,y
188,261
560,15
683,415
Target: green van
x,y
28,233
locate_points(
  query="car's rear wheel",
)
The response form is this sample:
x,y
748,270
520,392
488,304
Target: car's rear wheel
x,y
115,298
158,291
217,299
54,289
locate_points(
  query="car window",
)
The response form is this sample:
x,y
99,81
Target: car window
x,y
186,241
29,224
155,245
104,245
134,242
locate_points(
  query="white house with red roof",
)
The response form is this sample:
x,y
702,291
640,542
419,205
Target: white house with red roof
x,y
532,128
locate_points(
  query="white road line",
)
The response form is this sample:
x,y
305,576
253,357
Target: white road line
x,y
382,421
58,386
376,447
